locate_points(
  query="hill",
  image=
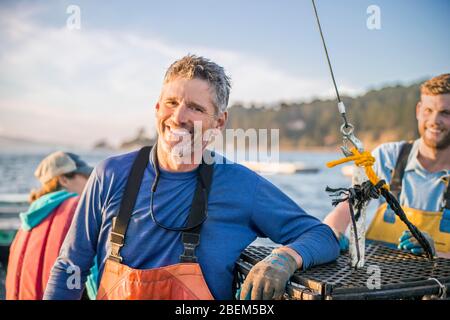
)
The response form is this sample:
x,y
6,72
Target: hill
x,y
380,115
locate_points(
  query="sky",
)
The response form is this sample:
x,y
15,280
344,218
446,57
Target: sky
x,y
101,81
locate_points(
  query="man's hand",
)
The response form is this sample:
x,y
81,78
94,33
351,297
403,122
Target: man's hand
x,y
267,279
408,242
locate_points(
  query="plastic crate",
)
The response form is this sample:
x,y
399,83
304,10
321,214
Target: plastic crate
x,y
402,276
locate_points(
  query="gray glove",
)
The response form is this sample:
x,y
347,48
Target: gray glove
x,y
268,278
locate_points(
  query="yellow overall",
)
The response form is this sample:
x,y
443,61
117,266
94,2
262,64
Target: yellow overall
x,y
387,227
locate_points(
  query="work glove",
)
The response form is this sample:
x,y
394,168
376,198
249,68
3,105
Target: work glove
x,y
268,278
409,243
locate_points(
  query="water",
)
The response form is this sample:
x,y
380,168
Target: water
x,y
17,169
307,190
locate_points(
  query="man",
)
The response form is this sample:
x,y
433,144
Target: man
x,y
418,174
163,227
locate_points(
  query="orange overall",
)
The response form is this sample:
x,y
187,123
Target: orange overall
x,y
181,281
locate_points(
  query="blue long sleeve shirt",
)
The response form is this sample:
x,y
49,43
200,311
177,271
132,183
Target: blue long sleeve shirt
x,y
241,206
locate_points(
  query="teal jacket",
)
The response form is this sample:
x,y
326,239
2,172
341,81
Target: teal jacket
x,y
42,208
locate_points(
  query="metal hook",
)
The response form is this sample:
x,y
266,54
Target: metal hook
x,y
349,137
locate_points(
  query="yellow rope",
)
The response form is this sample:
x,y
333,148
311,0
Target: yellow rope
x,y
364,159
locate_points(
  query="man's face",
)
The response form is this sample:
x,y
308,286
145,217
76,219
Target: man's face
x,y
433,117
184,102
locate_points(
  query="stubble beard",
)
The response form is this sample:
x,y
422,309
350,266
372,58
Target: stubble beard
x,y
436,144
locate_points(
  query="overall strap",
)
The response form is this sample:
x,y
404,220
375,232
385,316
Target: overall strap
x,y
447,196
399,171
120,223
198,212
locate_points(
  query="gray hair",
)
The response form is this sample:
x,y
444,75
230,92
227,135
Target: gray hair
x,y
196,67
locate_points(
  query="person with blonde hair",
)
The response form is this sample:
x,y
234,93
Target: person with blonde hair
x,y
35,248
418,174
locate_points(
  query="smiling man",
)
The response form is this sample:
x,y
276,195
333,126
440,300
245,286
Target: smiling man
x,y
418,174
185,114
161,228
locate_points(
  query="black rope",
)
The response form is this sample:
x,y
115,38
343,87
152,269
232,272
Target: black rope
x,y
356,198
358,195
395,206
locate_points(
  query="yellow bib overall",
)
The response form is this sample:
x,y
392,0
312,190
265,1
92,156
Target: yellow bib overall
x,y
387,227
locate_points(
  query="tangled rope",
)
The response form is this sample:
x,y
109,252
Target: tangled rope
x,y
373,188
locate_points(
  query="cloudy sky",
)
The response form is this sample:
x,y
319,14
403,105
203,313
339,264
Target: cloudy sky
x,y
76,86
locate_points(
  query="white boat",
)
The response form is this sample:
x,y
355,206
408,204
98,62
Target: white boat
x,y
279,167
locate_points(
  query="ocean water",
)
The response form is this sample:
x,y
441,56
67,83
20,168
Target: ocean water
x,y
306,189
